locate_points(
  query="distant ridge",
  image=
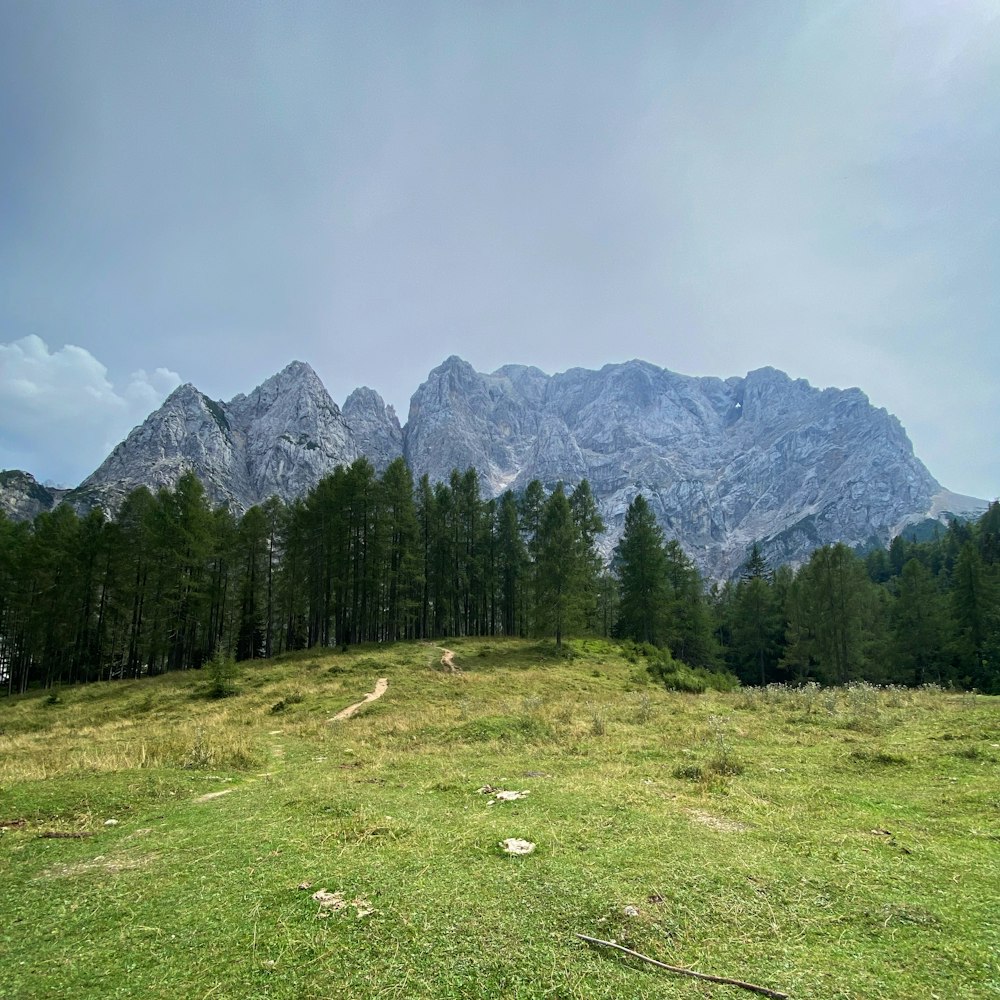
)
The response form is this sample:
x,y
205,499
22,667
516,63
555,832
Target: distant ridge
x,y
722,462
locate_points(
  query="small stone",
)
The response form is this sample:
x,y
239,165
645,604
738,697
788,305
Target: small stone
x,y
631,911
329,900
509,796
514,845
111,822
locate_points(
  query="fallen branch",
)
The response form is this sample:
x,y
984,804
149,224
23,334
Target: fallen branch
x,y
762,990
65,835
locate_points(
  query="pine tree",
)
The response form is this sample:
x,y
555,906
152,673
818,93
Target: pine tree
x,y
757,624
919,627
974,610
834,616
530,505
399,550
641,565
561,569
252,547
512,558
589,526
690,631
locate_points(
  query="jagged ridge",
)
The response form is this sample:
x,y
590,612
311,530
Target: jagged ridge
x,y
723,462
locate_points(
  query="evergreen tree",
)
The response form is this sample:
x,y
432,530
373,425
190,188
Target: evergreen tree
x,y
757,623
562,569
530,505
641,565
292,584
252,541
401,563
512,558
919,627
833,618
690,630
974,610
588,526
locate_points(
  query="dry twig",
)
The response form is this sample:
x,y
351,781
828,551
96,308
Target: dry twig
x,y
762,990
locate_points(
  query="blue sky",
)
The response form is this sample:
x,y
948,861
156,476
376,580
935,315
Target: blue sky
x,y
204,191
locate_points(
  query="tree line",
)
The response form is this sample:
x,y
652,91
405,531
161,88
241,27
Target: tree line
x,y
367,558
920,612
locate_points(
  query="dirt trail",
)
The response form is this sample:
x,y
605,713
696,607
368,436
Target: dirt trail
x,y
380,688
448,661
208,796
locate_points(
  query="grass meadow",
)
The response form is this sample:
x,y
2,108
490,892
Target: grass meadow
x,y
827,843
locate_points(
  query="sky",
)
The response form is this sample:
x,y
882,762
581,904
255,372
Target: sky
x,y
205,191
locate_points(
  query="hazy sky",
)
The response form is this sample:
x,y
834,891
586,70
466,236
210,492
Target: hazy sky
x,y
205,191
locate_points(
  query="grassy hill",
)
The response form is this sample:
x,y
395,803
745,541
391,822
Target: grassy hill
x,y
824,843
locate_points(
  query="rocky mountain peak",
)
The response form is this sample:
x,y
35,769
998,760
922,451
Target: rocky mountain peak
x,y
375,427
722,462
23,498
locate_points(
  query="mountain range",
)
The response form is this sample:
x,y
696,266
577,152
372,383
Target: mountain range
x,y
722,462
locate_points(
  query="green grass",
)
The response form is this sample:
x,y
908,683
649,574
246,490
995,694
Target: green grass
x,y
831,844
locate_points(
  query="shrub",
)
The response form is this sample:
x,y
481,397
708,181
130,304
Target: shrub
x,y
221,669
675,675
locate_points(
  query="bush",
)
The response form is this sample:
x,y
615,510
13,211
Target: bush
x,y
675,675
221,669
678,676
290,699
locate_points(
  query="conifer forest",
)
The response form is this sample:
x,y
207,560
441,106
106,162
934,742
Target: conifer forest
x,y
170,583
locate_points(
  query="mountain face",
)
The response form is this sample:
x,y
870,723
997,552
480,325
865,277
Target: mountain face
x,y
279,440
375,427
722,462
22,497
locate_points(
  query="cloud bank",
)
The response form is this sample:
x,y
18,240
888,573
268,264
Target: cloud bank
x,y
60,414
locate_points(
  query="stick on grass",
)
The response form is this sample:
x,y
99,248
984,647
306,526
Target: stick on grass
x,y
762,990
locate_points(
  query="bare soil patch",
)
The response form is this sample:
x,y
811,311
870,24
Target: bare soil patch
x,y
381,685
718,822
109,866
208,796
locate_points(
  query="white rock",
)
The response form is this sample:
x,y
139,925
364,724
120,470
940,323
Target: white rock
x,y
514,845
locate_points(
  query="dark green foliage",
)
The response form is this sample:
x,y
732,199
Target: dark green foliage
x,y
919,625
974,601
641,564
677,676
833,618
756,622
690,627
566,565
364,558
221,670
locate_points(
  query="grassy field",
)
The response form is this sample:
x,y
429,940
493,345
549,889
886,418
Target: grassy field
x,y
822,843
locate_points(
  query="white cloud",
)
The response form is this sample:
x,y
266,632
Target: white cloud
x,y
60,413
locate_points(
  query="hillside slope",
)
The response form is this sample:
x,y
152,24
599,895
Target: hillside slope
x,y
159,843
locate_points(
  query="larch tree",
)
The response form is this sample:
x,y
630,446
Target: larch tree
x,y
641,566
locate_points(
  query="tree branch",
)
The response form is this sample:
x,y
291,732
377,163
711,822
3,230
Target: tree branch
x,y
762,990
